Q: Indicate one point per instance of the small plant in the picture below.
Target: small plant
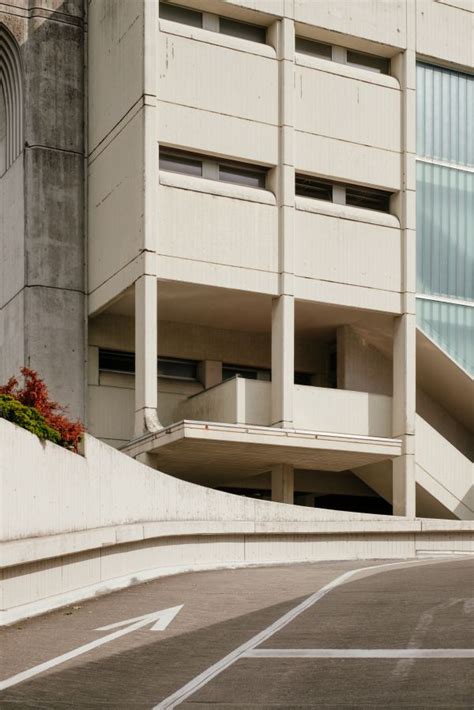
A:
(31, 408)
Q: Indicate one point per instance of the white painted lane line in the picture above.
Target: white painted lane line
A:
(159, 619)
(411, 653)
(203, 678)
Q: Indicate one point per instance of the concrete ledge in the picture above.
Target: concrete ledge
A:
(34, 587)
(24, 551)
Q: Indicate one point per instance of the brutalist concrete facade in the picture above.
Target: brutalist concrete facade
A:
(42, 201)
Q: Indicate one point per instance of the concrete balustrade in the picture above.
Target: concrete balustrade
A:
(242, 401)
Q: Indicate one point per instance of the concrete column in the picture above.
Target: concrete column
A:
(404, 414)
(404, 332)
(283, 37)
(283, 486)
(283, 359)
(146, 297)
(146, 355)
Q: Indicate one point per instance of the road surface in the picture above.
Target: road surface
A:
(302, 636)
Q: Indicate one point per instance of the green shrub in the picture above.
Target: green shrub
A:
(28, 418)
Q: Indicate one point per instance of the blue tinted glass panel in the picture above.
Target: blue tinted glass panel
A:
(445, 231)
(445, 108)
(452, 327)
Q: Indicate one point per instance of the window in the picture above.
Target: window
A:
(184, 15)
(116, 361)
(168, 367)
(178, 161)
(312, 187)
(213, 23)
(314, 49)
(445, 209)
(174, 369)
(368, 198)
(381, 65)
(342, 55)
(244, 30)
(303, 378)
(251, 177)
(357, 196)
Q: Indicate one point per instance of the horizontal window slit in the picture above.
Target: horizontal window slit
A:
(353, 195)
(177, 161)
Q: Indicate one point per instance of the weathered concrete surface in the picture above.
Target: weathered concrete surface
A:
(44, 235)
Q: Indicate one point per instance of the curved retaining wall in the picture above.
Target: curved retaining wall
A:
(75, 526)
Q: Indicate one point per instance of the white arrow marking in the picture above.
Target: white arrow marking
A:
(159, 619)
(162, 619)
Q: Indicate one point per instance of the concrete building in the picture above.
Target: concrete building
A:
(273, 200)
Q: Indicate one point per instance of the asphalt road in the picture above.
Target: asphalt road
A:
(392, 635)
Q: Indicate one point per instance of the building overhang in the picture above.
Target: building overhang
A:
(216, 452)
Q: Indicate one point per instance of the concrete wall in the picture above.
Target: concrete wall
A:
(42, 205)
(444, 472)
(117, 106)
(335, 410)
(74, 526)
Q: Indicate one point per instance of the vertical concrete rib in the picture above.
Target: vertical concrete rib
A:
(283, 306)
(146, 293)
(404, 334)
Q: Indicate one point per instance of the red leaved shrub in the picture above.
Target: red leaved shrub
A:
(34, 393)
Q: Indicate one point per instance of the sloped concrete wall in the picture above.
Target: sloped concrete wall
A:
(74, 526)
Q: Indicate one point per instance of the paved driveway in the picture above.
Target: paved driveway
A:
(302, 636)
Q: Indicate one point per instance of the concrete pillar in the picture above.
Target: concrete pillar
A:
(404, 334)
(146, 355)
(404, 414)
(282, 35)
(283, 358)
(146, 296)
(283, 486)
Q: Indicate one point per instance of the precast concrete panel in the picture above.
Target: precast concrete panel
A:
(445, 31)
(216, 229)
(216, 134)
(334, 410)
(116, 79)
(446, 466)
(382, 21)
(346, 161)
(217, 78)
(116, 203)
(338, 106)
(347, 252)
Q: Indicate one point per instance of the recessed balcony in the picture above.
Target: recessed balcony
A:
(226, 431)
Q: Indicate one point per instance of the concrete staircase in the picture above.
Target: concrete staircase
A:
(444, 477)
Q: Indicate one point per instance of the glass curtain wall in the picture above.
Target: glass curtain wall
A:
(445, 210)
